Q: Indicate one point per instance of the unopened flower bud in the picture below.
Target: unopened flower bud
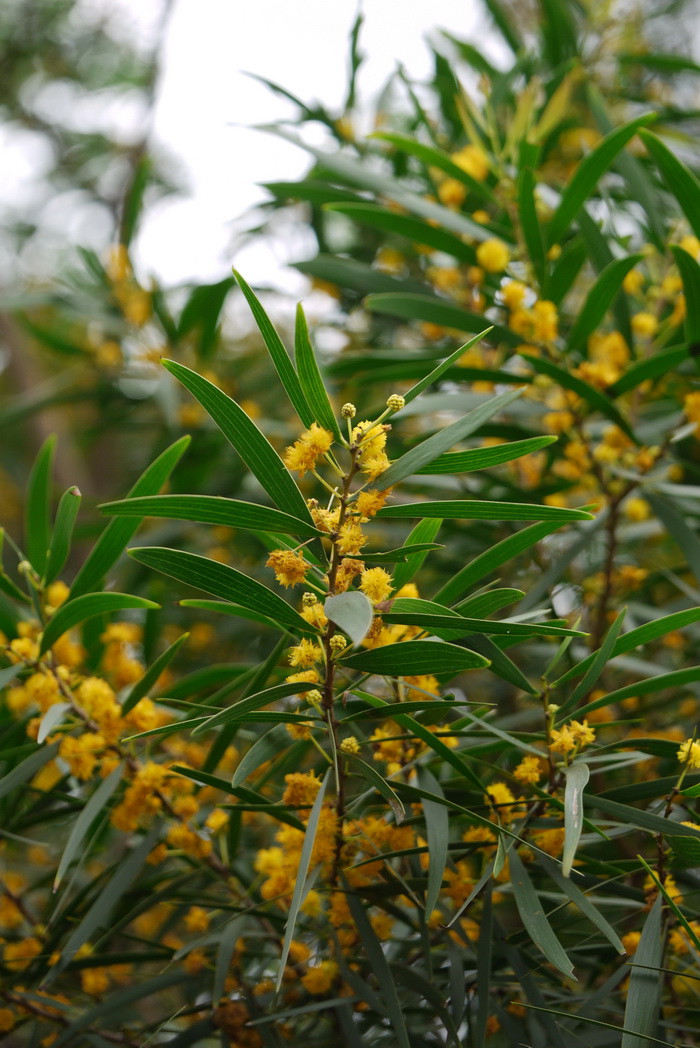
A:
(395, 402)
(348, 410)
(308, 600)
(314, 697)
(338, 644)
(350, 745)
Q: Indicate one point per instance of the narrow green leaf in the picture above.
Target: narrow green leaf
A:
(444, 439)
(79, 609)
(203, 311)
(27, 768)
(642, 820)
(501, 664)
(278, 352)
(484, 458)
(413, 229)
(566, 270)
(436, 310)
(485, 603)
(359, 277)
(62, 533)
(118, 533)
(491, 559)
(484, 968)
(252, 702)
(370, 773)
(142, 686)
(352, 612)
(212, 509)
(431, 616)
(402, 554)
(438, 834)
(678, 177)
(38, 522)
(443, 366)
(269, 745)
(221, 580)
(224, 953)
(596, 667)
(312, 384)
(301, 885)
(533, 917)
(599, 299)
(690, 275)
(679, 529)
(589, 171)
(242, 433)
(529, 219)
(660, 364)
(577, 775)
(432, 157)
(592, 396)
(644, 994)
(53, 717)
(583, 902)
(424, 532)
(636, 637)
(414, 657)
(221, 607)
(95, 805)
(475, 510)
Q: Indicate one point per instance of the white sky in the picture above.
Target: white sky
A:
(206, 107)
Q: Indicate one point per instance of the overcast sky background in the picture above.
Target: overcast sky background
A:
(207, 105)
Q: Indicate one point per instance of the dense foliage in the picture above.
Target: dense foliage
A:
(420, 767)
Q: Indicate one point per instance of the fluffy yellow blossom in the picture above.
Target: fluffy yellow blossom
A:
(7, 1020)
(473, 160)
(502, 799)
(633, 282)
(290, 568)
(19, 955)
(348, 570)
(550, 841)
(196, 920)
(562, 739)
(689, 753)
(320, 977)
(94, 981)
(351, 538)
(529, 770)
(370, 502)
(309, 676)
(452, 193)
(305, 653)
(636, 509)
(304, 452)
(376, 584)
(80, 753)
(513, 293)
(301, 789)
(493, 255)
(582, 733)
(216, 820)
(644, 325)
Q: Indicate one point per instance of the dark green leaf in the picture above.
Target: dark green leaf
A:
(252, 702)
(599, 299)
(203, 310)
(424, 532)
(436, 311)
(596, 667)
(690, 275)
(443, 366)
(221, 607)
(475, 510)
(438, 834)
(38, 522)
(413, 229)
(533, 917)
(370, 773)
(27, 769)
(413, 658)
(95, 806)
(432, 157)
(484, 458)
(310, 378)
(431, 616)
(678, 177)
(79, 609)
(142, 686)
(62, 533)
(402, 554)
(662, 363)
(529, 219)
(642, 820)
(268, 746)
(646, 983)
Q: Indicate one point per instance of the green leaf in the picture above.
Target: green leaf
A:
(62, 533)
(690, 275)
(443, 366)
(268, 746)
(501, 664)
(142, 686)
(212, 509)
(252, 702)
(27, 769)
(37, 520)
(413, 658)
(596, 667)
(431, 616)
(301, 885)
(310, 379)
(484, 967)
(641, 635)
(402, 554)
(678, 177)
(599, 299)
(203, 310)
(118, 533)
(432, 157)
(424, 532)
(221, 580)
(533, 917)
(242, 433)
(484, 458)
(430, 449)
(221, 607)
(686, 851)
(662, 363)
(679, 530)
(581, 900)
(356, 276)
(642, 820)
(370, 773)
(529, 219)
(577, 775)
(412, 229)
(352, 612)
(79, 609)
(594, 397)
(53, 716)
(438, 835)
(491, 559)
(224, 953)
(475, 510)
(646, 983)
(589, 171)
(566, 270)
(278, 352)
(95, 805)
(437, 311)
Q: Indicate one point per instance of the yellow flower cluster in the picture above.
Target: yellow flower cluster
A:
(304, 453)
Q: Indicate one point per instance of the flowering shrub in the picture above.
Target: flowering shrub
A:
(421, 766)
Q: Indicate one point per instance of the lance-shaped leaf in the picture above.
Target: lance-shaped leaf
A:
(301, 885)
(484, 458)
(212, 509)
(27, 768)
(583, 902)
(443, 366)
(646, 983)
(431, 616)
(437, 829)
(412, 306)
(413, 229)
(678, 177)
(432, 157)
(80, 609)
(242, 433)
(38, 523)
(268, 746)
(424, 532)
(415, 657)
(62, 533)
(144, 684)
(442, 441)
(674, 679)
(278, 352)
(475, 510)
(530, 222)
(690, 275)
(596, 667)
(370, 773)
(310, 377)
(402, 554)
(222, 581)
(642, 820)
(587, 174)
(117, 534)
(222, 607)
(533, 917)
(95, 805)
(352, 612)
(600, 298)
(53, 717)
(577, 775)
(253, 702)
